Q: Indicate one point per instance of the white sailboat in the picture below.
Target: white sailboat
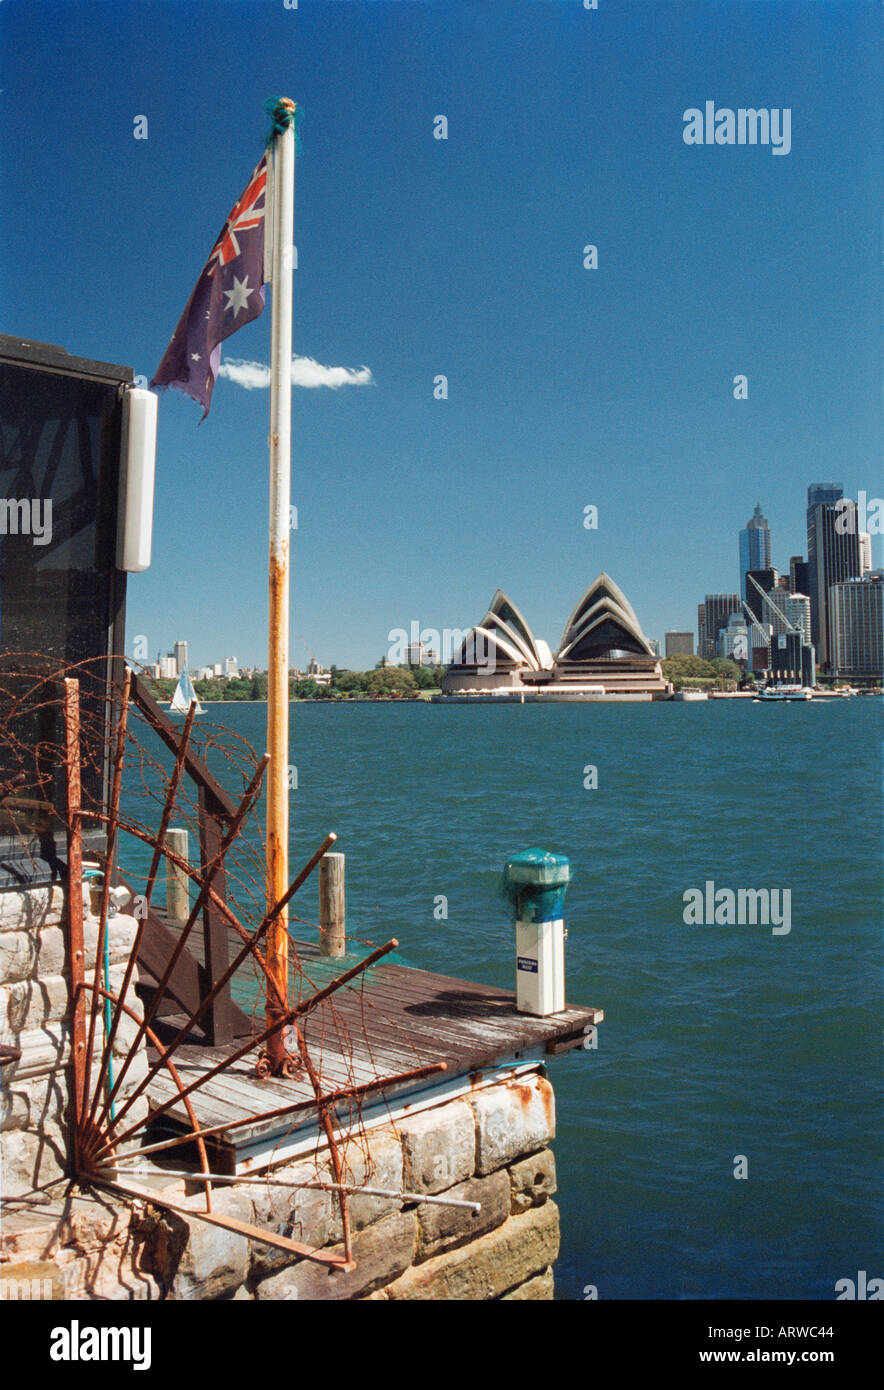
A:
(184, 696)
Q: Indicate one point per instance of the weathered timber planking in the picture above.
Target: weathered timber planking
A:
(394, 1020)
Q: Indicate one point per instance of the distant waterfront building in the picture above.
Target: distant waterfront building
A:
(754, 546)
(717, 608)
(679, 643)
(179, 652)
(231, 667)
(857, 626)
(654, 646)
(791, 659)
(603, 654)
(168, 667)
(416, 654)
(832, 556)
(317, 673)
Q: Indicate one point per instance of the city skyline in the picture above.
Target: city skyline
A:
(725, 601)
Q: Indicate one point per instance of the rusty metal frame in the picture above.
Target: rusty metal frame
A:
(97, 1132)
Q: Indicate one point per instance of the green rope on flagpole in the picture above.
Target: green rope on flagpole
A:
(283, 114)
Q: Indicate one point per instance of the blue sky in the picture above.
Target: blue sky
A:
(567, 387)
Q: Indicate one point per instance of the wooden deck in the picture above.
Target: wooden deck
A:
(392, 1020)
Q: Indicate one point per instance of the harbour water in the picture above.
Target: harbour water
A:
(725, 1047)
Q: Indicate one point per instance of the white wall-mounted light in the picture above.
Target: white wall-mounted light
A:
(137, 466)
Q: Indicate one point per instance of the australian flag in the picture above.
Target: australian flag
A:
(229, 293)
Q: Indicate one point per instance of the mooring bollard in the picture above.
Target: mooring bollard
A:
(177, 882)
(332, 905)
(536, 881)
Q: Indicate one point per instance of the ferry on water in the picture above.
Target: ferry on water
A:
(784, 692)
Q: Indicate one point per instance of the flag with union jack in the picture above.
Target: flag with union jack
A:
(229, 293)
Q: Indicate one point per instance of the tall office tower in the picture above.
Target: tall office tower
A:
(857, 624)
(754, 546)
(799, 580)
(718, 608)
(701, 630)
(765, 580)
(679, 643)
(179, 652)
(833, 554)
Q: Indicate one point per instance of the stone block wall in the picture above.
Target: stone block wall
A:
(35, 1016)
(491, 1147)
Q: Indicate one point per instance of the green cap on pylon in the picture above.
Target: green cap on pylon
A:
(535, 882)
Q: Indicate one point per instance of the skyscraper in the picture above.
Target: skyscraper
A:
(179, 652)
(857, 627)
(833, 554)
(717, 608)
(799, 581)
(754, 546)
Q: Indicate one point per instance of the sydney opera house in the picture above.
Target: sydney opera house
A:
(603, 655)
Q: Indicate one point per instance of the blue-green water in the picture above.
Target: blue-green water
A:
(719, 1040)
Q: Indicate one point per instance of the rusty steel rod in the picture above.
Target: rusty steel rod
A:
(230, 1223)
(351, 1188)
(74, 916)
(109, 853)
(173, 1072)
(282, 1022)
(211, 869)
(171, 794)
(346, 1093)
(248, 948)
(325, 1111)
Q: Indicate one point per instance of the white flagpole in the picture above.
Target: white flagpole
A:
(283, 209)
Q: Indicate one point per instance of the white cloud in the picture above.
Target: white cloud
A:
(254, 376)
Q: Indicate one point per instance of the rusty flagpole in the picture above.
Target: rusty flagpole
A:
(282, 184)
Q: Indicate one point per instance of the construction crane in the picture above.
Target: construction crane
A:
(310, 653)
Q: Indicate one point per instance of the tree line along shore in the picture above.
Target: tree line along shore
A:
(386, 682)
